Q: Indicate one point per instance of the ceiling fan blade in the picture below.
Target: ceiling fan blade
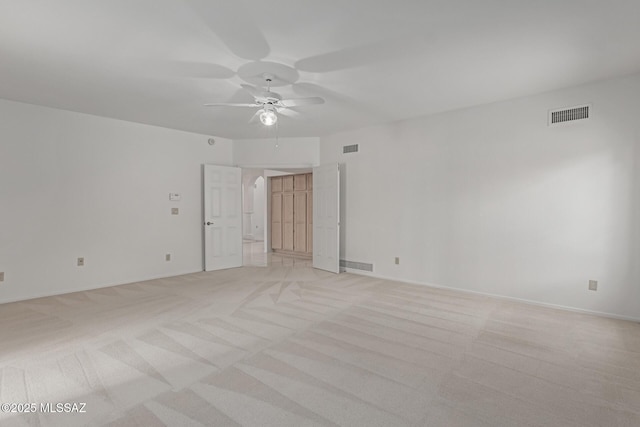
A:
(405, 43)
(222, 104)
(339, 100)
(255, 92)
(233, 24)
(297, 102)
(288, 113)
(182, 69)
(256, 117)
(275, 80)
(256, 74)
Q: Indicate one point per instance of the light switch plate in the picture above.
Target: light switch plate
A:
(1, 276)
(167, 257)
(80, 262)
(175, 211)
(593, 285)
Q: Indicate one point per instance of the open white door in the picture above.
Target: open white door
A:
(222, 217)
(326, 218)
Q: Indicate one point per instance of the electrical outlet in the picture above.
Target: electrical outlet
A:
(167, 257)
(397, 260)
(593, 285)
(1, 276)
(175, 211)
(81, 262)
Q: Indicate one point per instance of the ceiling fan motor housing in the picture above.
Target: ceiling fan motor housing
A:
(268, 98)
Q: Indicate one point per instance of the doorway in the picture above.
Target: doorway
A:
(257, 215)
(236, 203)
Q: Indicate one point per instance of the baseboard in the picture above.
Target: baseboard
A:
(101, 286)
(505, 297)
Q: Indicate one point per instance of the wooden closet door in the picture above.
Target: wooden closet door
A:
(276, 220)
(287, 183)
(287, 221)
(276, 184)
(300, 219)
(300, 182)
(292, 213)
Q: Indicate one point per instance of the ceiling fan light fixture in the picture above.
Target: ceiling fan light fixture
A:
(268, 117)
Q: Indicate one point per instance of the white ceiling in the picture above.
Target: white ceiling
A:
(158, 61)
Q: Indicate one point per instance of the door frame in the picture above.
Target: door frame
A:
(286, 170)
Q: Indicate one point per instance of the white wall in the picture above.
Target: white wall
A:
(290, 152)
(74, 185)
(248, 178)
(492, 200)
(258, 218)
(253, 204)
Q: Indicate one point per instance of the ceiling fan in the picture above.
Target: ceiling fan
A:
(270, 104)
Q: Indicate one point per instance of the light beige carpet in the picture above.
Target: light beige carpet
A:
(293, 346)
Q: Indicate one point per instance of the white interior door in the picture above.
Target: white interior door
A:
(222, 217)
(326, 218)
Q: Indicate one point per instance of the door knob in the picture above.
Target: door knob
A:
(209, 223)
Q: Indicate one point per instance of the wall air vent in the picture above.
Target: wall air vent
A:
(356, 265)
(563, 115)
(350, 149)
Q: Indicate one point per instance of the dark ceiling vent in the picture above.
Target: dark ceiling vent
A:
(569, 114)
(350, 148)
